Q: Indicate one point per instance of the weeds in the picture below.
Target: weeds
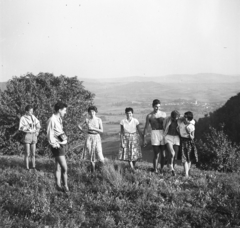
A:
(116, 197)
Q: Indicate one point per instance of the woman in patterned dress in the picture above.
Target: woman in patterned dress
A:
(130, 148)
(93, 145)
(188, 150)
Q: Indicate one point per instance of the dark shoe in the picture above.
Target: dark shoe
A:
(173, 173)
(59, 188)
(161, 173)
(65, 189)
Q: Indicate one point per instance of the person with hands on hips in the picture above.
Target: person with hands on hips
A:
(93, 145)
(30, 126)
(57, 140)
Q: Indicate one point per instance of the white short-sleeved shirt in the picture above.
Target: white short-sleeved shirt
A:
(130, 127)
(186, 129)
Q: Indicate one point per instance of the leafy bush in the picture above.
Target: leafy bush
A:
(41, 91)
(217, 152)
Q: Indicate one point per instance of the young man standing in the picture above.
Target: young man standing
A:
(155, 119)
(57, 140)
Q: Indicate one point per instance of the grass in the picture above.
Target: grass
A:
(116, 197)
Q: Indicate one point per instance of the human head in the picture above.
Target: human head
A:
(92, 110)
(129, 112)
(29, 109)
(175, 115)
(156, 105)
(188, 115)
(60, 108)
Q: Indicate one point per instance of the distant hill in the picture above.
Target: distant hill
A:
(227, 118)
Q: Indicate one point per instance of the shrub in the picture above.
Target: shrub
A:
(42, 92)
(217, 152)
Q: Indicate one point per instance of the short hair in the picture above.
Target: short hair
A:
(129, 109)
(28, 107)
(156, 102)
(94, 108)
(175, 114)
(188, 115)
(59, 105)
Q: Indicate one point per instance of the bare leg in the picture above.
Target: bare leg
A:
(131, 165)
(162, 156)
(61, 170)
(26, 155)
(33, 150)
(171, 152)
(156, 150)
(93, 166)
(176, 149)
(186, 169)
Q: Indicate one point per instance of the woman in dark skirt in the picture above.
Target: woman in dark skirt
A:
(188, 150)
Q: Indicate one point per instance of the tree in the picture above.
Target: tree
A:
(41, 91)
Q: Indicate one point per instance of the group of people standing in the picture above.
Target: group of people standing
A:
(169, 136)
(172, 138)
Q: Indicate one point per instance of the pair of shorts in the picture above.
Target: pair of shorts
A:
(58, 151)
(172, 139)
(157, 138)
(29, 138)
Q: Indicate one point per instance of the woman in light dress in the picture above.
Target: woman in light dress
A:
(93, 145)
(130, 143)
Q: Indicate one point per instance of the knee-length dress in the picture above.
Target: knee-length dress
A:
(93, 144)
(130, 146)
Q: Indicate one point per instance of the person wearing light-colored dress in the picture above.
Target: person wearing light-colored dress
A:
(93, 145)
(130, 143)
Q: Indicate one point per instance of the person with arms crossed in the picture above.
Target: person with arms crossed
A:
(57, 140)
(30, 126)
(155, 119)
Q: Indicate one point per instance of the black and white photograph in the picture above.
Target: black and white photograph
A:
(119, 113)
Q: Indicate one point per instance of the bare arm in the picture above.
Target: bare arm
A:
(146, 125)
(139, 130)
(121, 134)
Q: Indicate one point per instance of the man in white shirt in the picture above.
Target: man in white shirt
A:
(57, 140)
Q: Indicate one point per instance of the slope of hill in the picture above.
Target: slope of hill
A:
(115, 197)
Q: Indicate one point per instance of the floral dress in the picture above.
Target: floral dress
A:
(130, 145)
(93, 144)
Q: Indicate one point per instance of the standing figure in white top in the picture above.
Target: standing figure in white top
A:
(130, 143)
(188, 149)
(57, 140)
(93, 145)
(30, 127)
(155, 119)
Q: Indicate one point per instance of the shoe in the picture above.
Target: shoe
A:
(65, 189)
(59, 188)
(173, 173)
(161, 172)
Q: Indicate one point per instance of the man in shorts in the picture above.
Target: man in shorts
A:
(172, 138)
(57, 140)
(155, 119)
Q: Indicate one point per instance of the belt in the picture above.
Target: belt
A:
(91, 133)
(157, 129)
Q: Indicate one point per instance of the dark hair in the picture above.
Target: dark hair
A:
(94, 108)
(175, 114)
(156, 102)
(28, 107)
(188, 115)
(59, 105)
(129, 109)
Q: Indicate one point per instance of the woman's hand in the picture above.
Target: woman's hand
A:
(63, 142)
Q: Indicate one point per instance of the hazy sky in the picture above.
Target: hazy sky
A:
(119, 38)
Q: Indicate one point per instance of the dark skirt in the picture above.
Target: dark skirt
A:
(58, 151)
(188, 150)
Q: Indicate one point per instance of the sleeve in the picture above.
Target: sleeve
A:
(23, 124)
(38, 126)
(121, 122)
(50, 133)
(136, 122)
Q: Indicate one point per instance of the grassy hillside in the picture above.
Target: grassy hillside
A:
(115, 197)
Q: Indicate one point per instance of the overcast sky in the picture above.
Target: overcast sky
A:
(119, 38)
